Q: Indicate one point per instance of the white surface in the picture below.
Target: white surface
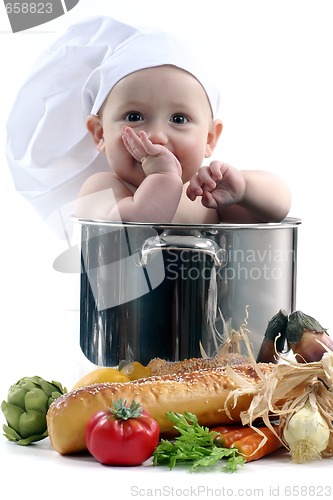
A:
(274, 61)
(45, 474)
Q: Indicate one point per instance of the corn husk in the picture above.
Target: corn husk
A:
(284, 391)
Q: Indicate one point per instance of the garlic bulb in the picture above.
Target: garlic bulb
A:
(306, 433)
(327, 362)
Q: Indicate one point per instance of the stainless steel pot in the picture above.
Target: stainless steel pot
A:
(163, 290)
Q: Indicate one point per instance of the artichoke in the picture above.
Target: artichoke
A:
(26, 408)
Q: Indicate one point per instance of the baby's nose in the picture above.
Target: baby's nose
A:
(157, 134)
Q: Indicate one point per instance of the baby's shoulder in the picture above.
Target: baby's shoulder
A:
(99, 194)
(105, 180)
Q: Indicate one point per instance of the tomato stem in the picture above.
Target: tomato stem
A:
(124, 412)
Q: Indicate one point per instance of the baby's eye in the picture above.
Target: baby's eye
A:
(134, 116)
(179, 119)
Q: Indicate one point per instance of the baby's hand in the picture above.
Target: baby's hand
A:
(218, 185)
(154, 158)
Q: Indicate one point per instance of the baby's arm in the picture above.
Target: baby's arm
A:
(241, 196)
(156, 198)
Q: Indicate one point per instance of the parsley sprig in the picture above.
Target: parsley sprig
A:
(195, 443)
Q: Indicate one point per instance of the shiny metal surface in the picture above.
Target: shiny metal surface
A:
(163, 290)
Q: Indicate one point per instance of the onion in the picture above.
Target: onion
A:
(274, 338)
(307, 338)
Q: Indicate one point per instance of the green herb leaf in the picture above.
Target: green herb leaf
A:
(194, 444)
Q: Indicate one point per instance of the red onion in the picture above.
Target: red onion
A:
(302, 334)
(274, 338)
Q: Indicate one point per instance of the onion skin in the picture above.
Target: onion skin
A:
(267, 352)
(302, 334)
(308, 350)
(274, 338)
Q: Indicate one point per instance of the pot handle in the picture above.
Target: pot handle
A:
(185, 242)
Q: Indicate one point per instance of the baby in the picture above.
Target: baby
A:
(155, 127)
(122, 120)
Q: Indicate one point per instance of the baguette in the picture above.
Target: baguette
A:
(202, 392)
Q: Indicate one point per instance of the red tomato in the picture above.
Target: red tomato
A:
(122, 435)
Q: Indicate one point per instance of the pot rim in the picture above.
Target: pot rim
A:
(288, 222)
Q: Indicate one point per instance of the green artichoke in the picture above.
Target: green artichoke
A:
(26, 408)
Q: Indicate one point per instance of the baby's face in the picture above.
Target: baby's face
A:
(167, 103)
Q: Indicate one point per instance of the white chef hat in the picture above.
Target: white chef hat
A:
(49, 150)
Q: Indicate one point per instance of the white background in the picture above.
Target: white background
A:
(274, 62)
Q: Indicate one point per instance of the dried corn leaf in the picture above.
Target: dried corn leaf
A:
(284, 391)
